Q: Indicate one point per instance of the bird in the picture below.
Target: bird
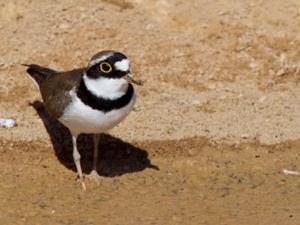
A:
(88, 100)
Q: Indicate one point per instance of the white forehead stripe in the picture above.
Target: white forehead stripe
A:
(122, 65)
(97, 60)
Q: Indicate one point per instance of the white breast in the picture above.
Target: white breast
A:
(81, 118)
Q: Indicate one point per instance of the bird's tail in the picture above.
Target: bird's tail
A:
(39, 74)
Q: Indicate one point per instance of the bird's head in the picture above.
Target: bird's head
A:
(112, 65)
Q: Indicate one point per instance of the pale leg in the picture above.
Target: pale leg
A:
(94, 175)
(76, 157)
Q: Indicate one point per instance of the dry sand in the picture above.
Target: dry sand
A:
(218, 114)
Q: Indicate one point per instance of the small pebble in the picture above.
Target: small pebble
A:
(7, 123)
(290, 172)
(136, 108)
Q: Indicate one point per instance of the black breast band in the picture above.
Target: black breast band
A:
(103, 104)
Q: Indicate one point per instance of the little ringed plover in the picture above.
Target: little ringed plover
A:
(88, 100)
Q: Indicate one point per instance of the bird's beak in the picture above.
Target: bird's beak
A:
(129, 78)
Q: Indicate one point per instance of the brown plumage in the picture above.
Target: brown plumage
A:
(63, 82)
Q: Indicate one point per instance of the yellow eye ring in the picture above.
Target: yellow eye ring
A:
(105, 67)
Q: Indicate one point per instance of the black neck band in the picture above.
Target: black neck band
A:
(103, 104)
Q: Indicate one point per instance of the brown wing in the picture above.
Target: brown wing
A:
(55, 91)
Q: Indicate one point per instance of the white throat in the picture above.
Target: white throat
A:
(106, 87)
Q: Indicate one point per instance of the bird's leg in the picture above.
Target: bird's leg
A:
(94, 175)
(76, 157)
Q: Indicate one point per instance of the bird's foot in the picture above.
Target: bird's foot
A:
(82, 184)
(95, 176)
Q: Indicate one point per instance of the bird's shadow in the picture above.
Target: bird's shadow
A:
(116, 157)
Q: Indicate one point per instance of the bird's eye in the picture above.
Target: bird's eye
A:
(105, 67)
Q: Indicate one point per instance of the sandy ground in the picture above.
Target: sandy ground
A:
(217, 120)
